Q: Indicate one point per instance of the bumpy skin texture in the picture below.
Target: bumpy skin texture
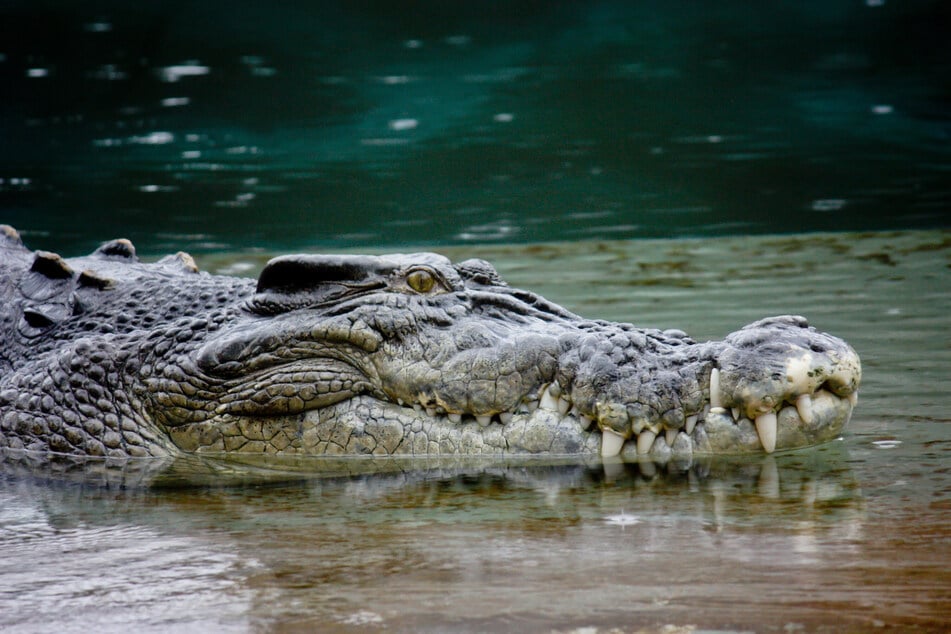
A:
(392, 355)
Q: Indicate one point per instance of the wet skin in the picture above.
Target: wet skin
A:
(389, 355)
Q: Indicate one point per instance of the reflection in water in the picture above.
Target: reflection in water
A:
(450, 543)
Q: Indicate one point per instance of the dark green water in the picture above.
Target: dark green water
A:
(530, 134)
(215, 126)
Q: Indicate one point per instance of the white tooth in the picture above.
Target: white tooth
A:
(611, 442)
(736, 413)
(484, 420)
(715, 388)
(400, 401)
(532, 406)
(430, 411)
(804, 407)
(548, 402)
(417, 407)
(853, 398)
(456, 418)
(563, 406)
(645, 440)
(670, 436)
(766, 429)
(690, 424)
(555, 389)
(585, 421)
(506, 417)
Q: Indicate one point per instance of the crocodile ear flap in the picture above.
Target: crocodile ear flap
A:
(304, 273)
(302, 281)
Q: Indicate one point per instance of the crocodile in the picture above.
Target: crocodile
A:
(390, 355)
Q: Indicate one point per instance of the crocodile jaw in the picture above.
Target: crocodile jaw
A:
(367, 426)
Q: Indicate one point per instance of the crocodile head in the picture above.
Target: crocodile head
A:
(412, 354)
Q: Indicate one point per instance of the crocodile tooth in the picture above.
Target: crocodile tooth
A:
(563, 406)
(505, 417)
(484, 420)
(555, 389)
(670, 435)
(736, 413)
(585, 421)
(430, 411)
(766, 429)
(417, 407)
(804, 407)
(715, 388)
(400, 402)
(690, 423)
(456, 418)
(611, 442)
(548, 401)
(645, 440)
(853, 398)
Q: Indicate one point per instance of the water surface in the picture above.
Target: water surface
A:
(215, 126)
(850, 536)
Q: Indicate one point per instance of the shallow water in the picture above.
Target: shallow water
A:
(850, 536)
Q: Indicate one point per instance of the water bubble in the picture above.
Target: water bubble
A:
(622, 519)
(886, 444)
(458, 40)
(154, 138)
(172, 74)
(394, 80)
(399, 125)
(828, 204)
(97, 27)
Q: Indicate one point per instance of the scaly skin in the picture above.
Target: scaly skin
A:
(391, 355)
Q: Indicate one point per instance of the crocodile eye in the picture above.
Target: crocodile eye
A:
(421, 281)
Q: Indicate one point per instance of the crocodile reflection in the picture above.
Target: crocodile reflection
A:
(330, 542)
(815, 484)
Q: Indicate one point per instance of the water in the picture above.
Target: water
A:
(216, 126)
(543, 136)
(850, 536)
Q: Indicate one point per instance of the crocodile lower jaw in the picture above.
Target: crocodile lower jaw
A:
(365, 425)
